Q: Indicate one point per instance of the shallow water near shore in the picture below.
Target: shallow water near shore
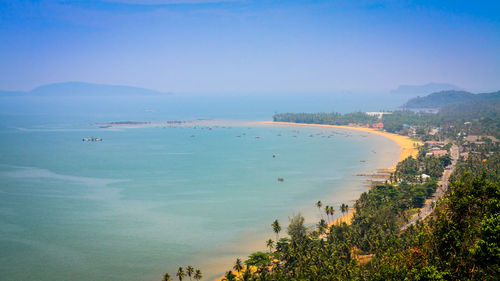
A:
(147, 200)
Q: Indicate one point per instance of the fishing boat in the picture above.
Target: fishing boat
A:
(91, 139)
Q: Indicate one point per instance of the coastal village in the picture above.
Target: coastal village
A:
(433, 157)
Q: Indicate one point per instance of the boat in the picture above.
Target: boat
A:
(91, 139)
(281, 179)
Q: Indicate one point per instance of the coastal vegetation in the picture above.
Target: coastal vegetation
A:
(181, 273)
(436, 216)
(479, 115)
(458, 241)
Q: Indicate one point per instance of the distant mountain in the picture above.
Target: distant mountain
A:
(446, 98)
(83, 89)
(484, 105)
(422, 90)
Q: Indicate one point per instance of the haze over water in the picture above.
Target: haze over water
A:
(147, 200)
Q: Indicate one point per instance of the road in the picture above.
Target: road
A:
(442, 187)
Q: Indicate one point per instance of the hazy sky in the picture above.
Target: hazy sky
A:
(250, 46)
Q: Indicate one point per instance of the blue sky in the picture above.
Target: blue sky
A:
(214, 46)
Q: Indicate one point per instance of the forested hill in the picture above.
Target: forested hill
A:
(443, 98)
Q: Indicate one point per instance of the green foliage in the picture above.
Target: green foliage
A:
(460, 241)
(180, 273)
(198, 275)
(333, 118)
(407, 170)
(445, 160)
(439, 99)
(411, 169)
(229, 276)
(466, 228)
(258, 259)
(189, 271)
(433, 166)
(276, 228)
(476, 166)
(166, 277)
(296, 228)
(238, 266)
(479, 113)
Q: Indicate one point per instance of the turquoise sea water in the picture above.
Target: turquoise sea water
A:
(147, 200)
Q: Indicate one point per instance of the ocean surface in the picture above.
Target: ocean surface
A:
(148, 200)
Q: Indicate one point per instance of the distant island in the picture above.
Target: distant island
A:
(84, 89)
(443, 98)
(422, 90)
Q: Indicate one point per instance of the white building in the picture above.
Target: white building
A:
(377, 113)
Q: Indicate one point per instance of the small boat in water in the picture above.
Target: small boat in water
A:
(91, 139)
(281, 179)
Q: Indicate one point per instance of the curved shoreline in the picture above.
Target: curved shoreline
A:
(407, 145)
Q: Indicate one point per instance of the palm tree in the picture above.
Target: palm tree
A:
(166, 277)
(247, 274)
(322, 226)
(180, 273)
(270, 244)
(230, 276)
(189, 271)
(332, 211)
(238, 266)
(197, 274)
(343, 209)
(327, 211)
(276, 228)
(346, 208)
(319, 204)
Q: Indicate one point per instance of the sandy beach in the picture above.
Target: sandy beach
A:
(407, 145)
